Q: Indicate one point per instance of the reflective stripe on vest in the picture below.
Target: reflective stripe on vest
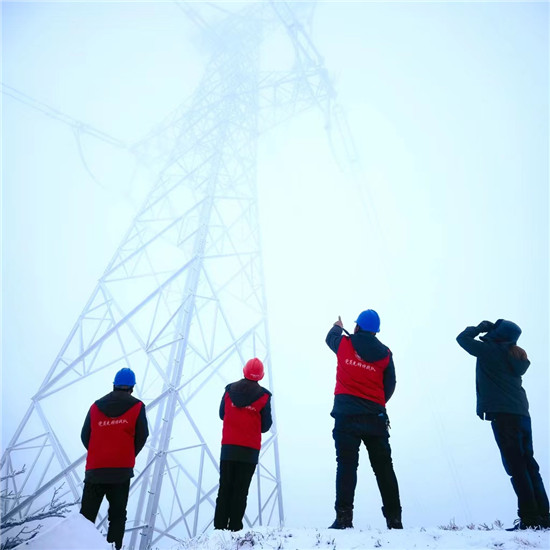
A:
(112, 439)
(243, 425)
(355, 376)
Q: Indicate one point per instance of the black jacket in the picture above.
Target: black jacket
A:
(498, 373)
(244, 393)
(367, 345)
(115, 404)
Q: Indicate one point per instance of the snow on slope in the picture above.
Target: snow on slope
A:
(72, 532)
(76, 533)
(351, 539)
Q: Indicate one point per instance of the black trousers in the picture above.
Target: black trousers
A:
(117, 496)
(347, 442)
(235, 478)
(515, 441)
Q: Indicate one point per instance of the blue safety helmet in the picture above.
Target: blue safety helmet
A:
(125, 377)
(369, 320)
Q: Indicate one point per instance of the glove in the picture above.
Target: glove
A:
(485, 326)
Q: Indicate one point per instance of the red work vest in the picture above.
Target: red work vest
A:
(243, 425)
(112, 439)
(355, 376)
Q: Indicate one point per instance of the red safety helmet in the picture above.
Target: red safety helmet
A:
(254, 369)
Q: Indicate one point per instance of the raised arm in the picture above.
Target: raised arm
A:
(335, 335)
(466, 339)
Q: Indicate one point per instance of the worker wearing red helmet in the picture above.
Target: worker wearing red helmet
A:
(246, 413)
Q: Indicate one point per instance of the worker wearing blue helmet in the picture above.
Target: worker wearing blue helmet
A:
(114, 432)
(365, 381)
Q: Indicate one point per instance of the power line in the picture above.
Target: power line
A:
(78, 125)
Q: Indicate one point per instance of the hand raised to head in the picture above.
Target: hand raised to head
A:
(485, 326)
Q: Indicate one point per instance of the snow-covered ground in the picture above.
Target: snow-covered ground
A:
(419, 538)
(76, 533)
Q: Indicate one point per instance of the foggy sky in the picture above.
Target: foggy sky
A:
(448, 106)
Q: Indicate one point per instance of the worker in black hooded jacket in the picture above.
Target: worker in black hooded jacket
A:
(502, 400)
(365, 381)
(245, 409)
(114, 432)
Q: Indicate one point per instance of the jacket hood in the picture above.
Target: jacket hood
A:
(503, 331)
(116, 403)
(245, 392)
(367, 345)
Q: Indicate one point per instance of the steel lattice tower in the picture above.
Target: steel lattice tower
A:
(182, 301)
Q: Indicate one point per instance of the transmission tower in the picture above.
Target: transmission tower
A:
(182, 300)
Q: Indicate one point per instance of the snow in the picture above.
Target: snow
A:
(73, 532)
(350, 539)
(76, 533)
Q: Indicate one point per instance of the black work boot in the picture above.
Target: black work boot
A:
(526, 521)
(344, 519)
(519, 525)
(544, 521)
(393, 519)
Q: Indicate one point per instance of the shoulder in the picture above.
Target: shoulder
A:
(127, 400)
(382, 348)
(386, 349)
(379, 343)
(125, 397)
(345, 339)
(105, 398)
(133, 403)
